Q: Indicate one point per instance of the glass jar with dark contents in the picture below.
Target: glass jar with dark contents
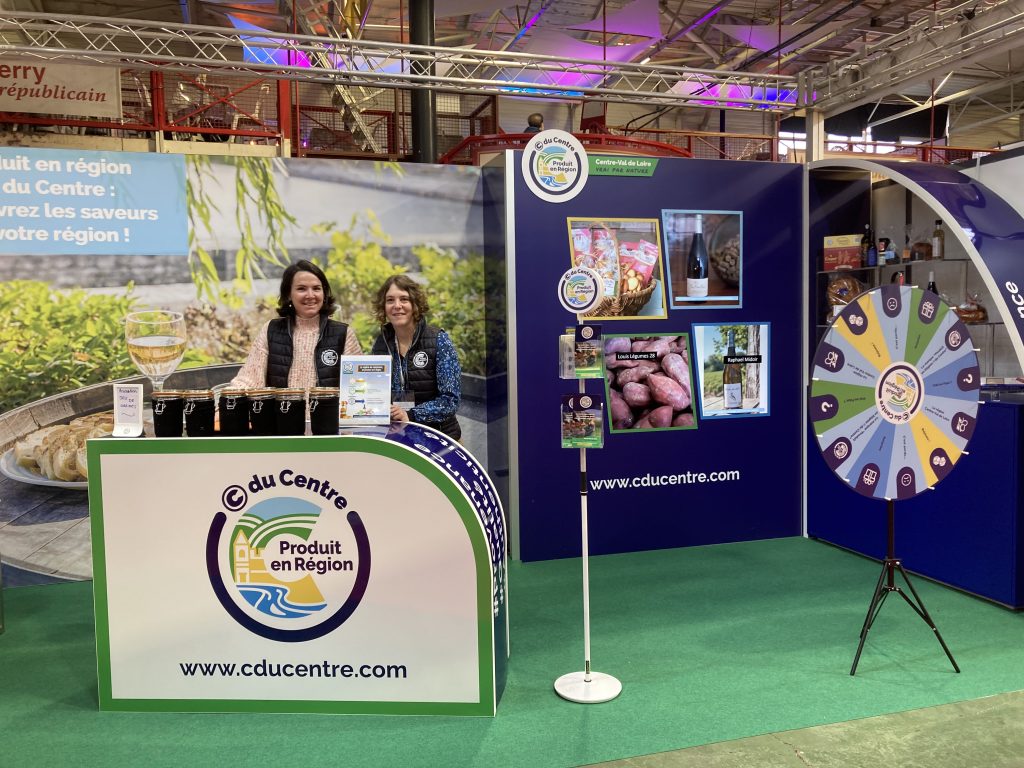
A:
(168, 410)
(323, 410)
(262, 411)
(233, 412)
(291, 412)
(199, 412)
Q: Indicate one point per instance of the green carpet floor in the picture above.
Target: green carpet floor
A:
(711, 643)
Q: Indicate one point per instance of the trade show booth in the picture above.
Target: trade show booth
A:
(370, 572)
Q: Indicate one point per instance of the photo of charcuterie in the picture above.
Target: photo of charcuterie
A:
(626, 254)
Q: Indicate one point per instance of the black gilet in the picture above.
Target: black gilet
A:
(420, 379)
(329, 345)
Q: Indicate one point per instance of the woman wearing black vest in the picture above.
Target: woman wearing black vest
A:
(426, 379)
(300, 348)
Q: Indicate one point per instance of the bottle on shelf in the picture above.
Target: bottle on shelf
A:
(938, 241)
(886, 251)
(897, 277)
(931, 283)
(868, 249)
(697, 263)
(732, 377)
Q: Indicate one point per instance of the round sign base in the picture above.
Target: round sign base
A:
(600, 688)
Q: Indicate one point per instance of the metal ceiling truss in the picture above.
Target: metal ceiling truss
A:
(966, 96)
(928, 48)
(184, 47)
(1002, 114)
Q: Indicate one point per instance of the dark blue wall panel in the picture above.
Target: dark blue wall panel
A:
(765, 502)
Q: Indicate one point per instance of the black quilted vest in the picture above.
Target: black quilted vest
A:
(421, 380)
(330, 344)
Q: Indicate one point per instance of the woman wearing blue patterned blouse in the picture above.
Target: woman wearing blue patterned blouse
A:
(426, 380)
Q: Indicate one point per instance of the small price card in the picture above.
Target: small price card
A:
(127, 410)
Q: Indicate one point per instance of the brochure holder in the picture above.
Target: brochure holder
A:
(588, 686)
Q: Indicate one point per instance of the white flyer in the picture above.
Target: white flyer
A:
(365, 396)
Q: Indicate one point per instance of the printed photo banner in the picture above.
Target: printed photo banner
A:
(56, 202)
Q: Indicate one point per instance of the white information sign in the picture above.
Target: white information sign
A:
(365, 396)
(127, 410)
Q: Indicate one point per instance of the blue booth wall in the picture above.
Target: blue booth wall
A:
(765, 501)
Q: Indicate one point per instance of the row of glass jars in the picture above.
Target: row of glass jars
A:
(241, 412)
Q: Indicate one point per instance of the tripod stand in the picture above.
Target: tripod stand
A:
(886, 585)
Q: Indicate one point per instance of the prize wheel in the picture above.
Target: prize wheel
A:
(894, 392)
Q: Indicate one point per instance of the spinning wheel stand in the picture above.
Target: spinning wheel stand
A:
(886, 585)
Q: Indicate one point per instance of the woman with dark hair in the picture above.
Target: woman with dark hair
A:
(301, 347)
(426, 380)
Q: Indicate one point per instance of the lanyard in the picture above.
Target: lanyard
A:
(403, 365)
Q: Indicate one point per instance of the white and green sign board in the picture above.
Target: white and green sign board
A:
(334, 574)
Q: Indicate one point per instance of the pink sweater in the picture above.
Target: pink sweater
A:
(303, 372)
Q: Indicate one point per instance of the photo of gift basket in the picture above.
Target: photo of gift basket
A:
(626, 255)
(626, 304)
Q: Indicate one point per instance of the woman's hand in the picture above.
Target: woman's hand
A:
(398, 413)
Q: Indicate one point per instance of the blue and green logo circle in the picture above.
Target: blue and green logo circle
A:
(287, 567)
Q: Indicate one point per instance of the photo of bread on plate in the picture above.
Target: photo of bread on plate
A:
(58, 452)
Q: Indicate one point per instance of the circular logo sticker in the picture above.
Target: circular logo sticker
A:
(900, 393)
(579, 289)
(329, 357)
(291, 567)
(586, 401)
(555, 166)
(420, 360)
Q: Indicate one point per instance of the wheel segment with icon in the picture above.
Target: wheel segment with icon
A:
(894, 392)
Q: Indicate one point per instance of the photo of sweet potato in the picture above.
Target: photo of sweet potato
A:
(649, 382)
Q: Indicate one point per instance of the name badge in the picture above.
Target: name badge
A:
(405, 400)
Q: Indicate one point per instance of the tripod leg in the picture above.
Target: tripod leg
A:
(878, 607)
(876, 604)
(923, 613)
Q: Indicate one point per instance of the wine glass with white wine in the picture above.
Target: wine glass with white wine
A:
(156, 343)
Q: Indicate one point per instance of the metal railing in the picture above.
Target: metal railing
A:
(710, 145)
(926, 153)
(469, 150)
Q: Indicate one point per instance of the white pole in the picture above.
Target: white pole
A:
(586, 687)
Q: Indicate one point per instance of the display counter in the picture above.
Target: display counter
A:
(358, 574)
(967, 532)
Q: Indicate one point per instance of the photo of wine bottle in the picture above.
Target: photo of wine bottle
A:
(732, 377)
(697, 263)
